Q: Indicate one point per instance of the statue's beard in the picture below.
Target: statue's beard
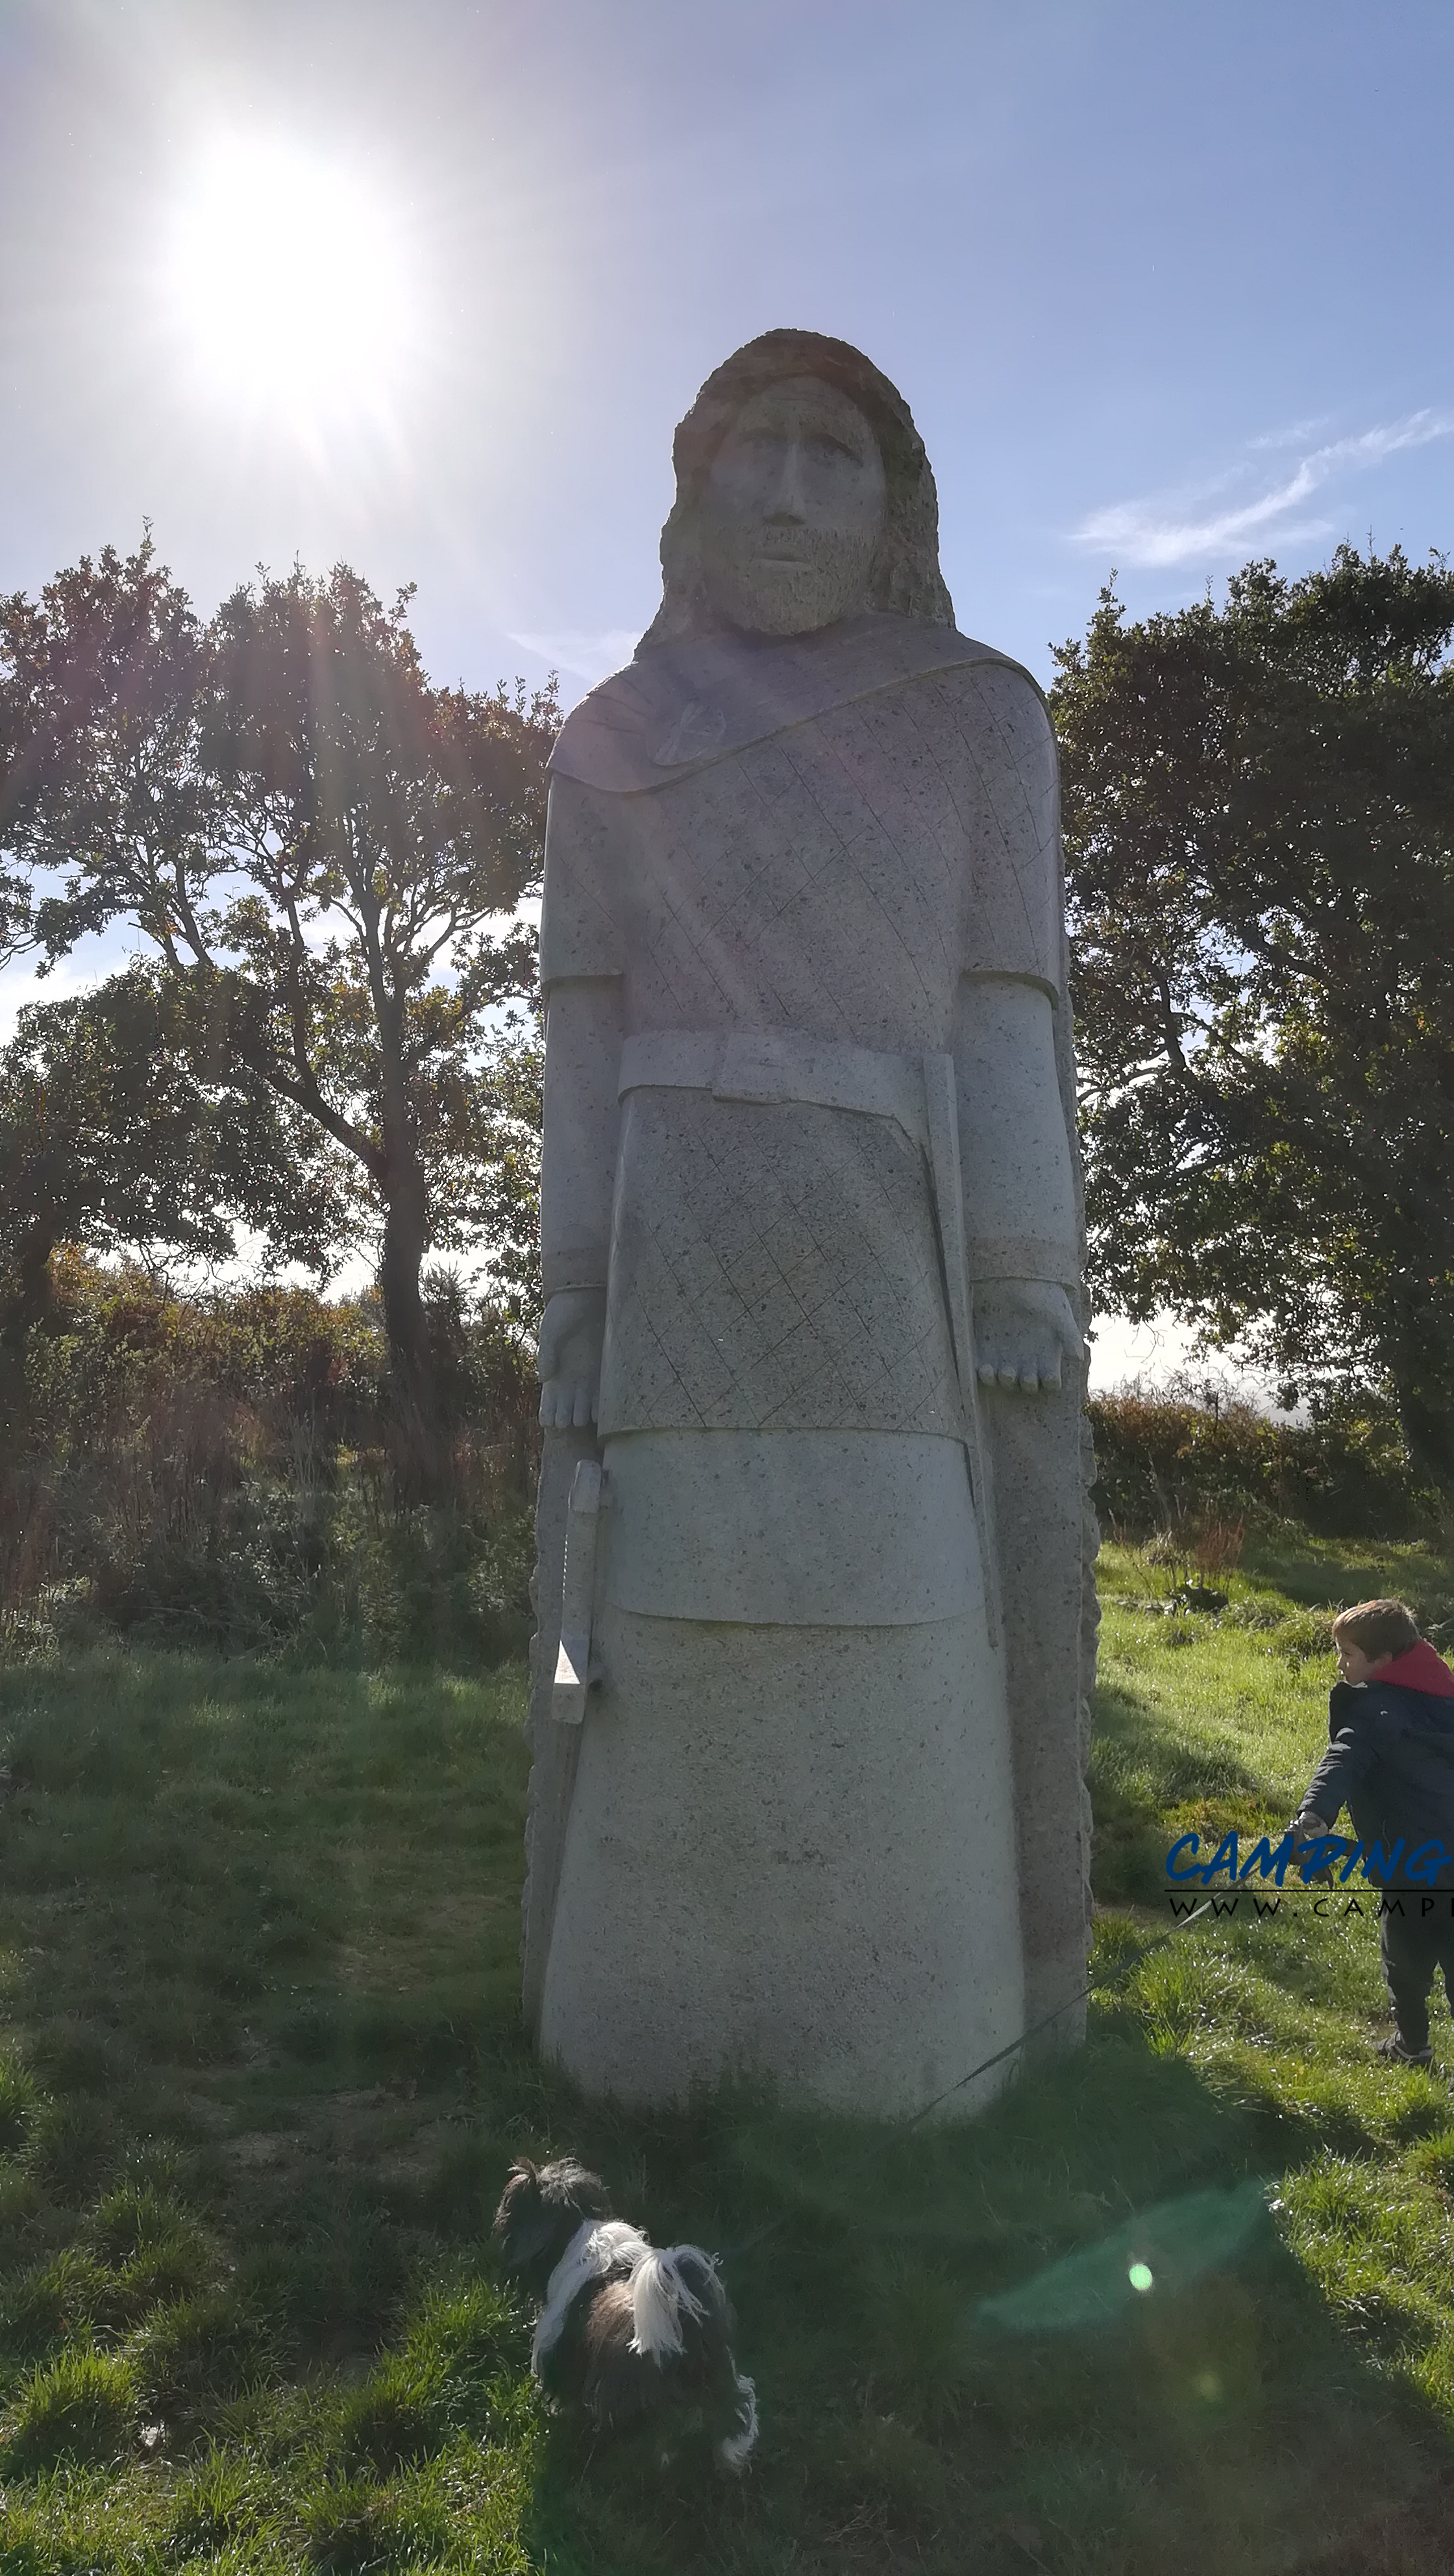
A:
(788, 582)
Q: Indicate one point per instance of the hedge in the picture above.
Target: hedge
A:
(1162, 1461)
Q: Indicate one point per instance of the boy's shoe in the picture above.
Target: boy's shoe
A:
(1394, 2048)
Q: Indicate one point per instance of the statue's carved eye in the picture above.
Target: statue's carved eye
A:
(767, 447)
(763, 446)
(826, 451)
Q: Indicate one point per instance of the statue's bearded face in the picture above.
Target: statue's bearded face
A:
(792, 510)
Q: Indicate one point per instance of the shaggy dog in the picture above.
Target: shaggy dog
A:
(625, 2331)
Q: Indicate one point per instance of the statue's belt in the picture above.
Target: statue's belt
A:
(780, 1065)
(917, 1092)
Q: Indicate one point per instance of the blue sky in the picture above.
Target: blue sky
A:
(1166, 283)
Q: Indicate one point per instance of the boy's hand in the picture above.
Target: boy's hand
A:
(1306, 1829)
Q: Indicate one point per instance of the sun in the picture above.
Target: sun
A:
(286, 278)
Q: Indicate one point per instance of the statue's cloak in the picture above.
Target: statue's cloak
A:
(622, 899)
(683, 706)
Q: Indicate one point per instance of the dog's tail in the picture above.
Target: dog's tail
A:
(735, 2449)
(669, 2290)
(681, 2312)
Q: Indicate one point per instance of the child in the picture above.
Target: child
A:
(1391, 1759)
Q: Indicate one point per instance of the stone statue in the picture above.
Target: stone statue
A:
(808, 1706)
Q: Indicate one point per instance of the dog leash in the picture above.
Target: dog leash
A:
(1096, 1985)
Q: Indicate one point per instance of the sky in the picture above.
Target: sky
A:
(1166, 284)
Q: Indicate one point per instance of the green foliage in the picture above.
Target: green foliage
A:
(1161, 1462)
(108, 1136)
(1259, 816)
(319, 848)
(223, 1470)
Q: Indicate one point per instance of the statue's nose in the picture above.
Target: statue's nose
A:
(785, 494)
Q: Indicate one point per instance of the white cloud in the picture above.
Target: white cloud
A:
(1167, 1356)
(1182, 528)
(20, 984)
(587, 657)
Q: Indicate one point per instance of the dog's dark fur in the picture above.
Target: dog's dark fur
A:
(593, 2364)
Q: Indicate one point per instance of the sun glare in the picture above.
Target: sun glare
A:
(287, 283)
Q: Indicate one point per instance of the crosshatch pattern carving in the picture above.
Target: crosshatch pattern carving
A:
(778, 1267)
(779, 1272)
(904, 832)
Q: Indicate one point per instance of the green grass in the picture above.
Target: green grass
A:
(261, 2075)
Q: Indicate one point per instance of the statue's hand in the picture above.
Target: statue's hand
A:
(568, 1363)
(1024, 1332)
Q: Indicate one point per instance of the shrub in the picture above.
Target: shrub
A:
(219, 1472)
(1167, 1465)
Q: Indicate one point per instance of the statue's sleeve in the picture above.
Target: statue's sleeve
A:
(580, 945)
(1017, 1105)
(580, 928)
(1013, 911)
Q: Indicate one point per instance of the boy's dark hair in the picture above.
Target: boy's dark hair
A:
(1378, 1629)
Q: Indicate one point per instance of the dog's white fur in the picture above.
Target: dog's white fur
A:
(595, 2246)
(659, 2299)
(734, 2449)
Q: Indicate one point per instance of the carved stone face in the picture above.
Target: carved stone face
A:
(792, 511)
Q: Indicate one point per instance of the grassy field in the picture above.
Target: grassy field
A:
(261, 2076)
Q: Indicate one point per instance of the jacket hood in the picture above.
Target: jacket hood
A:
(1418, 1668)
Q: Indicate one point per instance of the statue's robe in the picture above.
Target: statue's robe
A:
(791, 1843)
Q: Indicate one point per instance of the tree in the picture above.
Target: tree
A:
(109, 1138)
(327, 852)
(497, 1201)
(1259, 819)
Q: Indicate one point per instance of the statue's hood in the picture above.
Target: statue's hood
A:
(683, 706)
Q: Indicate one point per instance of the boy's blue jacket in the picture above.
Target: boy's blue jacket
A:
(1390, 1761)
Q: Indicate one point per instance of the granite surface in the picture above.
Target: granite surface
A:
(807, 1802)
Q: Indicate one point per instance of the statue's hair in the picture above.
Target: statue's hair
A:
(904, 575)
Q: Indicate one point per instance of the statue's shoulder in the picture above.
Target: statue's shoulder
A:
(683, 706)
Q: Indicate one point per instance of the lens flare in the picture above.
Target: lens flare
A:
(286, 278)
